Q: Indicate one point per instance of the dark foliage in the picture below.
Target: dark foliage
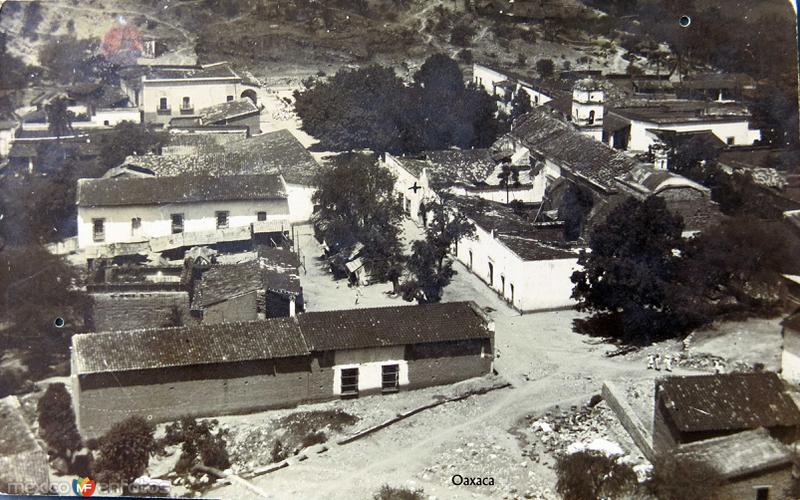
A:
(59, 117)
(31, 20)
(64, 58)
(125, 451)
(201, 443)
(430, 264)
(371, 108)
(545, 68)
(631, 269)
(357, 204)
(392, 493)
(587, 475)
(313, 438)
(129, 139)
(678, 478)
(57, 420)
(574, 208)
(36, 289)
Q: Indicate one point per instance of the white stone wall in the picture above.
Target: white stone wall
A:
(404, 181)
(300, 205)
(537, 285)
(156, 219)
(790, 366)
(115, 115)
(369, 363)
(201, 93)
(641, 140)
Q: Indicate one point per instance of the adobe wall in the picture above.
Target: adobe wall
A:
(437, 364)
(167, 394)
(134, 310)
(778, 482)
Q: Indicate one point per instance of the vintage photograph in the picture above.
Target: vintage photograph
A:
(400, 249)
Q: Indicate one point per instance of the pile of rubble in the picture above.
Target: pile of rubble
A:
(557, 430)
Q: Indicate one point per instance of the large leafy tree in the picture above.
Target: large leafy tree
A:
(59, 117)
(371, 108)
(430, 264)
(356, 204)
(125, 451)
(57, 420)
(63, 58)
(355, 109)
(37, 289)
(127, 139)
(630, 268)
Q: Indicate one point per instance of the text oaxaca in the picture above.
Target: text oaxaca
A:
(460, 480)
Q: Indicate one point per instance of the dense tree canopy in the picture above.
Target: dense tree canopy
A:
(631, 265)
(127, 139)
(57, 420)
(356, 204)
(125, 451)
(430, 264)
(371, 108)
(59, 117)
(63, 58)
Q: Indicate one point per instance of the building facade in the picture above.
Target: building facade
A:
(230, 368)
(126, 210)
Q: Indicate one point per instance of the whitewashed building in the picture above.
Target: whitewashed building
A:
(128, 210)
(634, 126)
(162, 93)
(506, 83)
(528, 265)
(790, 354)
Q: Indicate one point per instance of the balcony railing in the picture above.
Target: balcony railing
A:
(187, 110)
(164, 111)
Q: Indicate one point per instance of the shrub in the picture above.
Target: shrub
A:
(125, 451)
(313, 438)
(57, 420)
(392, 493)
(462, 34)
(278, 453)
(587, 475)
(200, 442)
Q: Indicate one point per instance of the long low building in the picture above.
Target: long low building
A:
(219, 369)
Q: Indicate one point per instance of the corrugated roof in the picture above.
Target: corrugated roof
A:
(187, 346)
(270, 153)
(391, 326)
(727, 402)
(740, 454)
(183, 189)
(562, 143)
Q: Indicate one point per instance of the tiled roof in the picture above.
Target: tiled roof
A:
(527, 240)
(740, 454)
(227, 281)
(562, 143)
(136, 310)
(16, 437)
(270, 153)
(681, 111)
(191, 72)
(153, 191)
(188, 346)
(392, 326)
(450, 166)
(727, 402)
(227, 110)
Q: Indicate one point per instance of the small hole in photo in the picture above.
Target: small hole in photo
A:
(685, 21)
(59, 322)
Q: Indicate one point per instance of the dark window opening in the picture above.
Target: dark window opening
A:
(99, 229)
(390, 378)
(261, 216)
(350, 382)
(186, 103)
(177, 223)
(591, 117)
(222, 219)
(230, 98)
(162, 103)
(491, 274)
(136, 226)
(762, 493)
(730, 141)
